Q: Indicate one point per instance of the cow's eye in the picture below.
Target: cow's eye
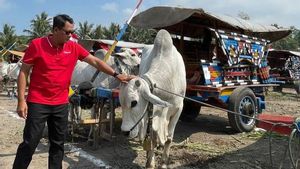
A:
(133, 103)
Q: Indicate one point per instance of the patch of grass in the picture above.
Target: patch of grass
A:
(256, 135)
(135, 146)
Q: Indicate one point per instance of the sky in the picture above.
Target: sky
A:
(18, 13)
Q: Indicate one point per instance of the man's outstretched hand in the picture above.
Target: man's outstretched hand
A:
(125, 78)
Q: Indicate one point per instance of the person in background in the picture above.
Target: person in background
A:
(52, 60)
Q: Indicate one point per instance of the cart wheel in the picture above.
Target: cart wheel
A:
(190, 111)
(243, 101)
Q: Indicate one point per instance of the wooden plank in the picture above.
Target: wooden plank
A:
(89, 121)
(219, 89)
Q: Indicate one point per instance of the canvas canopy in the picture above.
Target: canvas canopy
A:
(12, 52)
(186, 22)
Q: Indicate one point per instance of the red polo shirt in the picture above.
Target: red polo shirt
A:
(52, 70)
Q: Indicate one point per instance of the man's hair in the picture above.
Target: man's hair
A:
(60, 20)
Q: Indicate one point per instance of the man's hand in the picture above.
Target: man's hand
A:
(22, 109)
(125, 78)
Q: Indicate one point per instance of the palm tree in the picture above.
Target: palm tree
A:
(40, 26)
(97, 33)
(23, 39)
(112, 31)
(140, 35)
(85, 30)
(8, 36)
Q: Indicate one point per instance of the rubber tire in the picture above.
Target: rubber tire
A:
(190, 111)
(235, 99)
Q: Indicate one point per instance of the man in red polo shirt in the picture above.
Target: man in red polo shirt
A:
(52, 60)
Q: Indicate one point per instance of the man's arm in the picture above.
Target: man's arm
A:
(22, 81)
(103, 67)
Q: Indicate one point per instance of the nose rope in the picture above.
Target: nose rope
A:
(139, 120)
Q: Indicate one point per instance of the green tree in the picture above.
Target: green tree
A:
(288, 43)
(297, 38)
(40, 26)
(8, 36)
(138, 35)
(97, 33)
(85, 30)
(111, 32)
(23, 39)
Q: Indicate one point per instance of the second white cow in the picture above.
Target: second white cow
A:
(161, 66)
(126, 61)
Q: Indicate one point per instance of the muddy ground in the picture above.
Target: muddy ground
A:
(206, 143)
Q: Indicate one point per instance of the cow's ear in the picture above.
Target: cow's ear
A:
(147, 95)
(159, 102)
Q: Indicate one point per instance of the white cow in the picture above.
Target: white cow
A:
(13, 70)
(128, 63)
(10, 70)
(8, 77)
(163, 66)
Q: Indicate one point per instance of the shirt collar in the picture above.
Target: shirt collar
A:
(50, 44)
(48, 40)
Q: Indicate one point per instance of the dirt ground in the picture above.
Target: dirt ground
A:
(206, 143)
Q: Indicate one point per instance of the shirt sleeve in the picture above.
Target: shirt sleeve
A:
(30, 54)
(82, 53)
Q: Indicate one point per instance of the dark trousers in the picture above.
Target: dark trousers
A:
(57, 120)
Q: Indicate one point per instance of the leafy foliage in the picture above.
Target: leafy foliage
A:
(112, 31)
(291, 42)
(140, 35)
(97, 33)
(85, 30)
(40, 26)
(7, 36)
(132, 34)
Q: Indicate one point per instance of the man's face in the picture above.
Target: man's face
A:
(64, 34)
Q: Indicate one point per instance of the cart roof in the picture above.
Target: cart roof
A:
(175, 20)
(13, 52)
(16, 53)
